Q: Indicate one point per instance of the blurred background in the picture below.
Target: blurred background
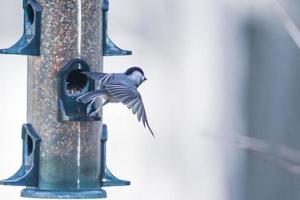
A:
(222, 97)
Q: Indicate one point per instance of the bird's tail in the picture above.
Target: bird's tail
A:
(87, 97)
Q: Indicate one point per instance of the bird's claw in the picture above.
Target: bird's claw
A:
(88, 110)
(93, 114)
(89, 107)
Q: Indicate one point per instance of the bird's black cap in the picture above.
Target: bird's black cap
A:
(133, 69)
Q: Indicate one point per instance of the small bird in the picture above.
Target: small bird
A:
(118, 87)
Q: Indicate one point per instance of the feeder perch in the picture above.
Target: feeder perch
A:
(71, 82)
(108, 179)
(109, 48)
(29, 44)
(29, 171)
(64, 149)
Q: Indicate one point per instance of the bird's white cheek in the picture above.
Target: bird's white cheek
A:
(110, 98)
(105, 97)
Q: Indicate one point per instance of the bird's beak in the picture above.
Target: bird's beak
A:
(145, 79)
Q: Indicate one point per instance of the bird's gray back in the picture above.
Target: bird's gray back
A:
(118, 78)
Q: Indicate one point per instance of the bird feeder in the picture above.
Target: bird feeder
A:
(64, 149)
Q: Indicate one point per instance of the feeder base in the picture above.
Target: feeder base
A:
(49, 194)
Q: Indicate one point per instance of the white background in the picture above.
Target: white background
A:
(192, 54)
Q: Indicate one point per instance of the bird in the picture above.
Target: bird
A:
(118, 88)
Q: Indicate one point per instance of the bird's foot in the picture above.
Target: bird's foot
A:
(90, 107)
(88, 110)
(93, 114)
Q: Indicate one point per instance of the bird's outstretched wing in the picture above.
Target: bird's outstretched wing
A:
(131, 97)
(89, 96)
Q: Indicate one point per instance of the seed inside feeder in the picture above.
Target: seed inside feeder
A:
(30, 13)
(77, 83)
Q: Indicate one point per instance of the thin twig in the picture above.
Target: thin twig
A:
(285, 157)
(290, 167)
(287, 21)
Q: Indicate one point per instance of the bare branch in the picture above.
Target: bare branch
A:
(289, 24)
(285, 157)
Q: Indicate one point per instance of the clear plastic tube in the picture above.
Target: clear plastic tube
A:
(70, 151)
